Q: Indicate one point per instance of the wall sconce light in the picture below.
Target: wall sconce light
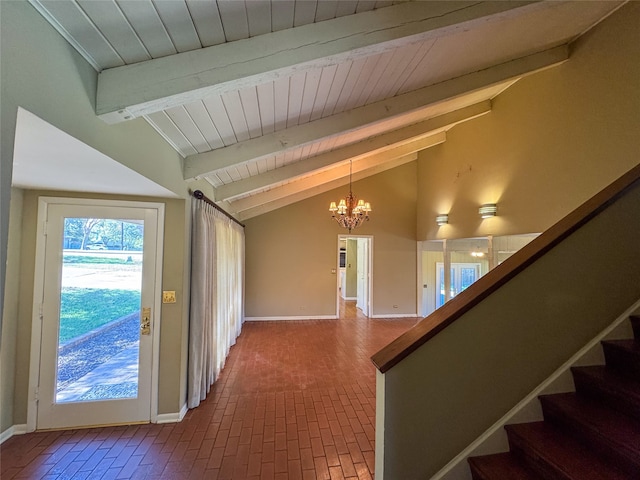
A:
(488, 210)
(442, 219)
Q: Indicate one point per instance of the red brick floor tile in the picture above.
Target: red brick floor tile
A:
(283, 408)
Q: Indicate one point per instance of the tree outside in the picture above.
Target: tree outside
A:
(107, 234)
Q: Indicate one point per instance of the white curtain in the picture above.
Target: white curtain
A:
(217, 291)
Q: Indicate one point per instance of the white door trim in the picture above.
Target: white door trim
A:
(38, 295)
(370, 275)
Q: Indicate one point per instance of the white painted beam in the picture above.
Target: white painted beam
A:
(131, 91)
(324, 162)
(424, 98)
(339, 172)
(297, 195)
(414, 138)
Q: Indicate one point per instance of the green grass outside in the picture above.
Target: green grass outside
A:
(75, 259)
(84, 309)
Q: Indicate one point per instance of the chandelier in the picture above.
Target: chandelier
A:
(348, 213)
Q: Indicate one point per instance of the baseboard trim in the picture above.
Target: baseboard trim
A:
(397, 315)
(11, 431)
(172, 417)
(287, 318)
(494, 439)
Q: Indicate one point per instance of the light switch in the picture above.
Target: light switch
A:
(169, 296)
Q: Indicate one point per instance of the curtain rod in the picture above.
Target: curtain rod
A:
(201, 196)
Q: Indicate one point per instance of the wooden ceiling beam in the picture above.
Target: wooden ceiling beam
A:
(329, 160)
(298, 194)
(427, 99)
(142, 88)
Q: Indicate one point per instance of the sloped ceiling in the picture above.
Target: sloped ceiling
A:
(270, 100)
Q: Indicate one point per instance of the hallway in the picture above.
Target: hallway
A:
(296, 400)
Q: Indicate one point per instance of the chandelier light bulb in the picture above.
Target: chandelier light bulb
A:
(350, 213)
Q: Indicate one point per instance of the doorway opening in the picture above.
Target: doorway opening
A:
(94, 347)
(466, 259)
(354, 285)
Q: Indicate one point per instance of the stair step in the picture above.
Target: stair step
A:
(635, 323)
(623, 355)
(500, 466)
(555, 455)
(617, 391)
(612, 434)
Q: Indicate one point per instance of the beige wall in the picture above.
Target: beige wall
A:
(551, 141)
(290, 252)
(171, 372)
(9, 330)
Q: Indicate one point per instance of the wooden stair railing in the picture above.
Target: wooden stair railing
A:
(430, 326)
(592, 433)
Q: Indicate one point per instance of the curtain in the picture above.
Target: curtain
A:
(217, 291)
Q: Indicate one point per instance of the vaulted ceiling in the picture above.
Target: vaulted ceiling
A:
(269, 101)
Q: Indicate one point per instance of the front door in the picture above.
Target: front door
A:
(97, 318)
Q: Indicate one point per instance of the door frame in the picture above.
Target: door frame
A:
(370, 276)
(38, 295)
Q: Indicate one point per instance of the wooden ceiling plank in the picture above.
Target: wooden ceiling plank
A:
(346, 7)
(296, 91)
(301, 191)
(340, 170)
(305, 13)
(144, 19)
(221, 122)
(349, 84)
(311, 83)
(135, 90)
(189, 128)
(206, 19)
(401, 142)
(326, 10)
(78, 29)
(336, 87)
(259, 17)
(201, 117)
(361, 169)
(177, 20)
(233, 106)
(234, 19)
(267, 107)
(114, 25)
(282, 14)
(249, 100)
(326, 80)
(300, 135)
(281, 103)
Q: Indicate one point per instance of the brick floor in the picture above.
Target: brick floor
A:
(296, 400)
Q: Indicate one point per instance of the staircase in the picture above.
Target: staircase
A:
(591, 434)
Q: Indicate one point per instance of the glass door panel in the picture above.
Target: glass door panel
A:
(99, 334)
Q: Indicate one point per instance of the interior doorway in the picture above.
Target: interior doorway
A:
(354, 285)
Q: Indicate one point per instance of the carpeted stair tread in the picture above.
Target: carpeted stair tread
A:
(554, 454)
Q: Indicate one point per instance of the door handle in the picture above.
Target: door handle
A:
(145, 321)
